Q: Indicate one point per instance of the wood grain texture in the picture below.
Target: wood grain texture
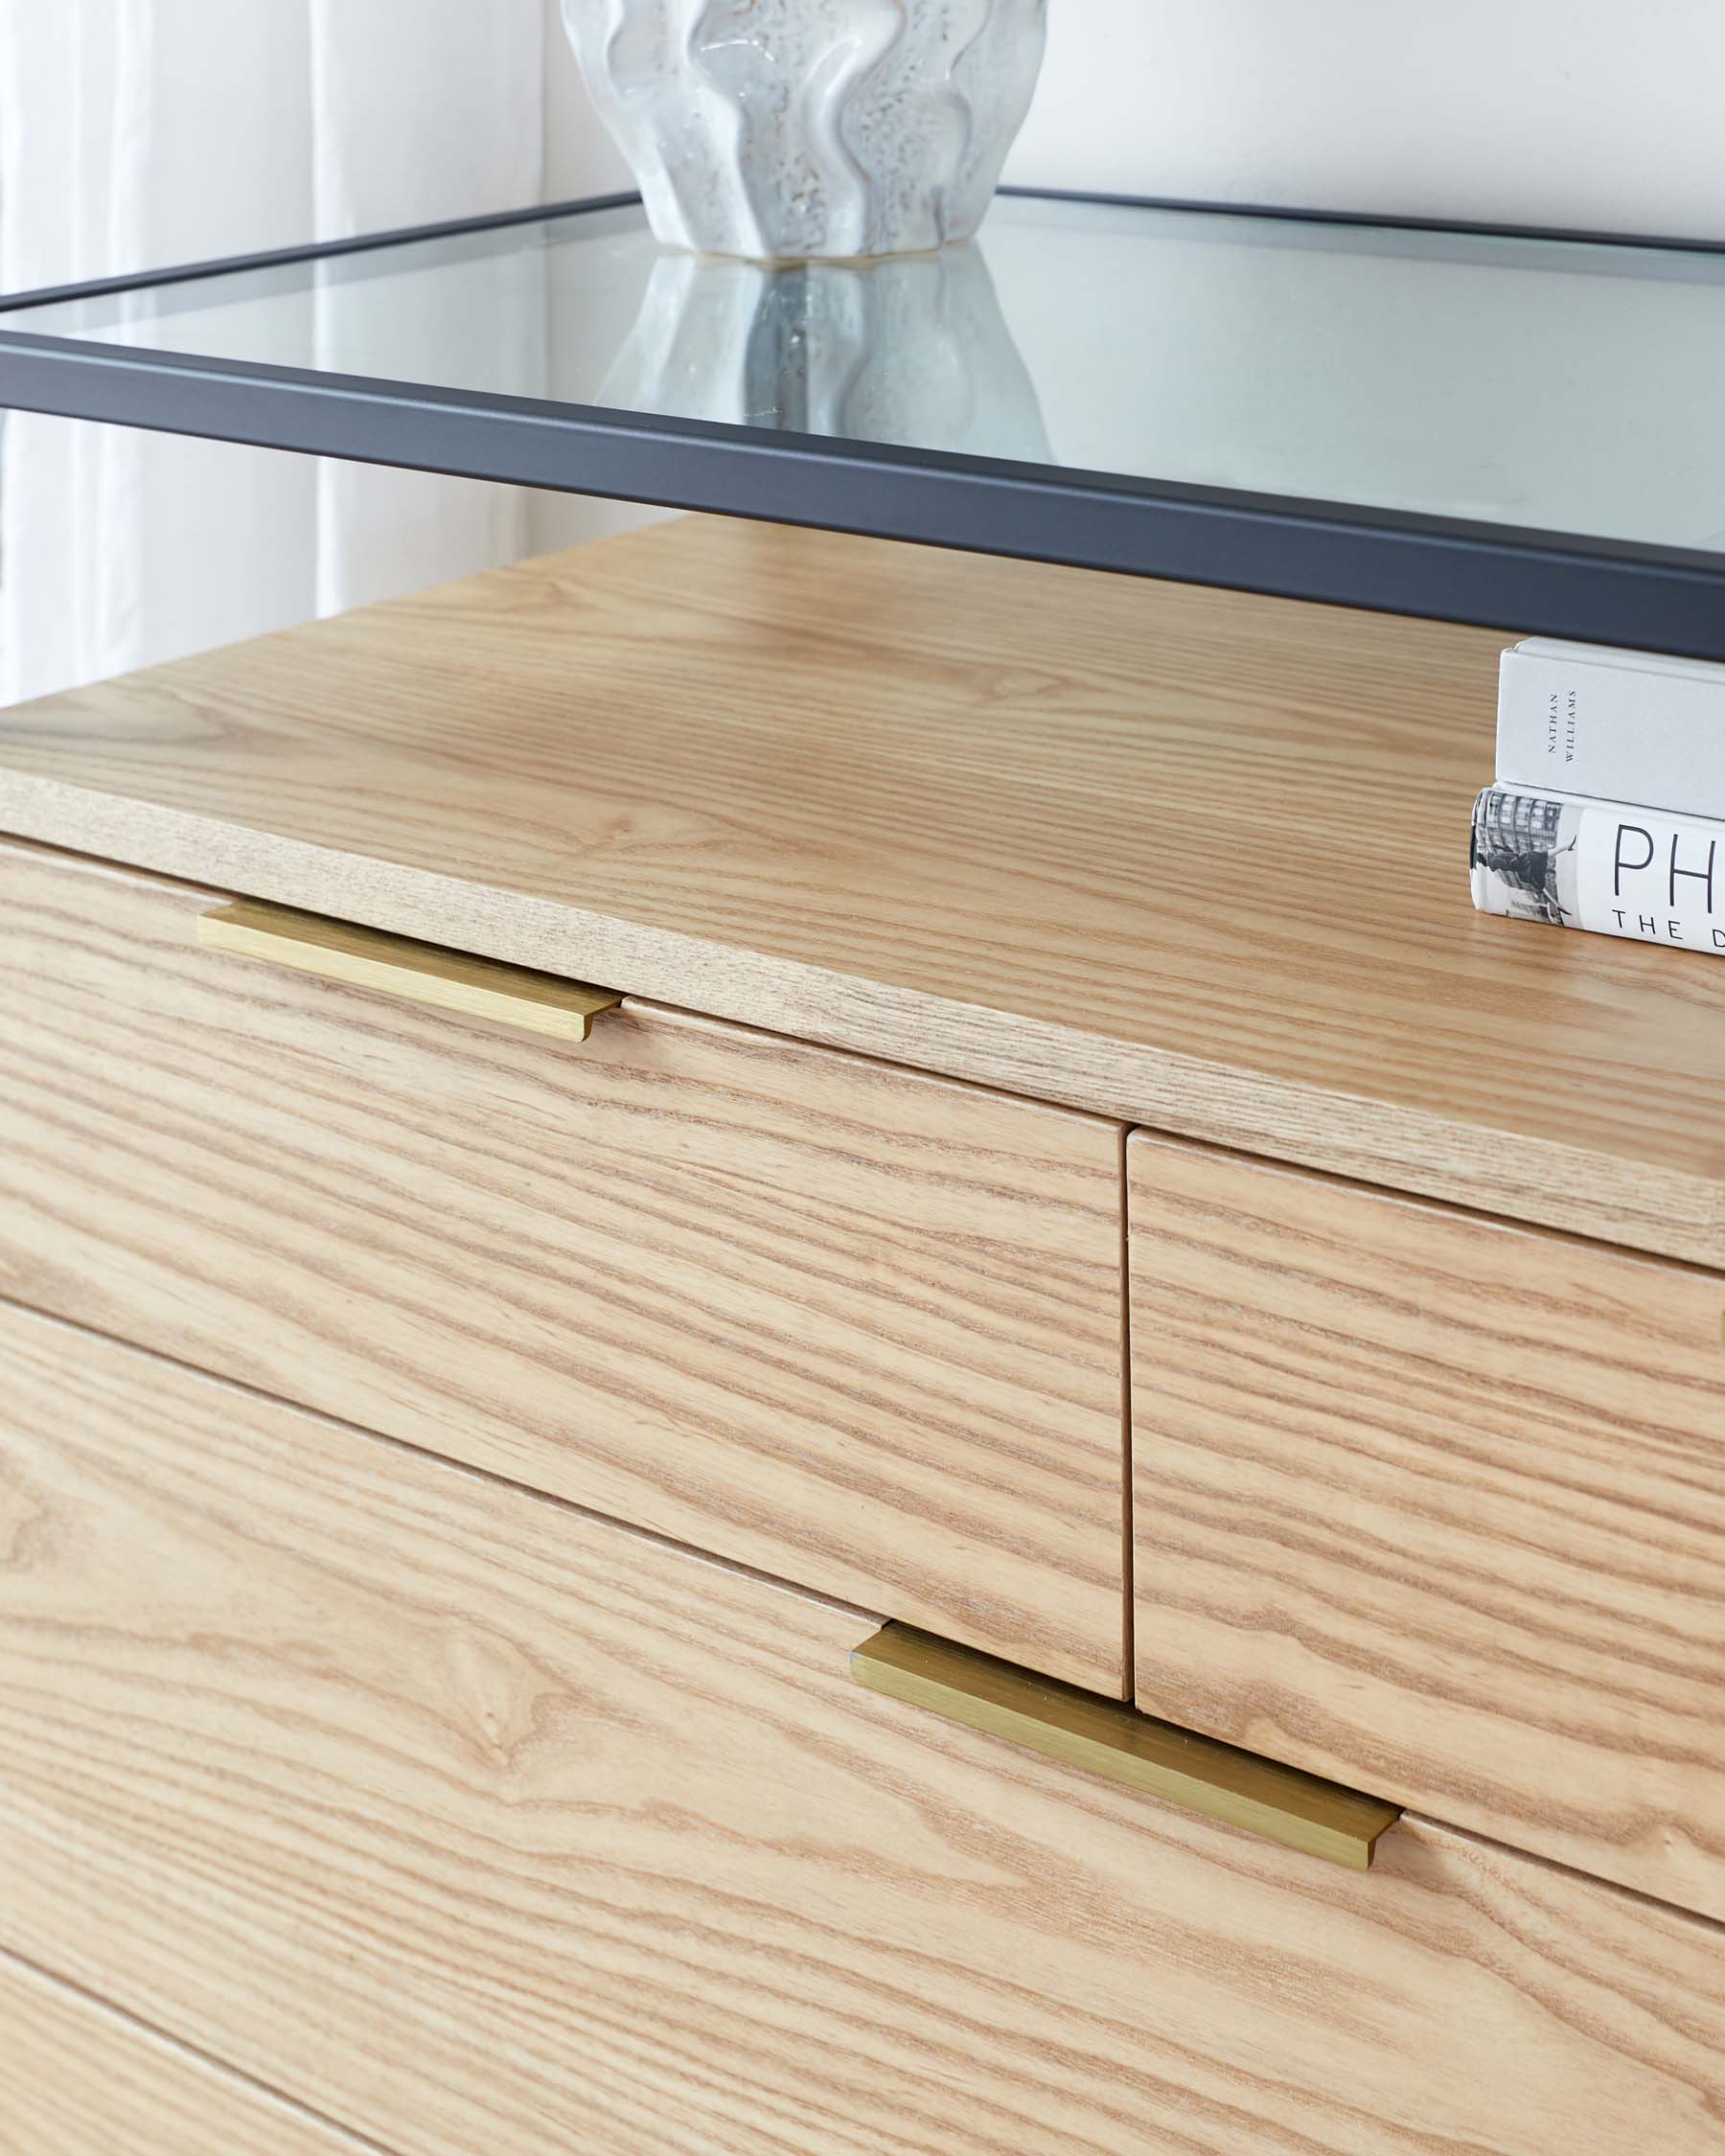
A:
(78, 2079)
(425, 972)
(1107, 1738)
(855, 1326)
(1436, 1506)
(481, 1824)
(1075, 835)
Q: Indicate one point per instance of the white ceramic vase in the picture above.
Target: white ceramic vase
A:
(791, 131)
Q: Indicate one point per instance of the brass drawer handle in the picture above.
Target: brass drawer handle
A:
(425, 972)
(1107, 1738)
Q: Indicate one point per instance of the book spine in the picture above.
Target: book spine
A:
(1617, 733)
(1607, 866)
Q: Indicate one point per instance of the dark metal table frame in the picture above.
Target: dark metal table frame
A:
(1532, 581)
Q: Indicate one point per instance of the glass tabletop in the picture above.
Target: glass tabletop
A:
(1536, 385)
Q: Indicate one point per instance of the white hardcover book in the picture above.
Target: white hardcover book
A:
(1605, 866)
(1619, 726)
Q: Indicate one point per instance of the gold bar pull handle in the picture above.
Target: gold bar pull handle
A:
(425, 972)
(1107, 1738)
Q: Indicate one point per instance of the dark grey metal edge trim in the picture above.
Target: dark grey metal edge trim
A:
(1662, 598)
(1562, 234)
(284, 257)
(281, 258)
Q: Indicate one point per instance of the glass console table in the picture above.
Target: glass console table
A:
(1524, 430)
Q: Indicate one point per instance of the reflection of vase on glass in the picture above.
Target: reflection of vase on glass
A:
(913, 351)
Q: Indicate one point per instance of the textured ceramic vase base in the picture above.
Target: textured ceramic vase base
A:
(801, 129)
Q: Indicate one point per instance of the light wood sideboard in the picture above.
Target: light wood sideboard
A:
(591, 1158)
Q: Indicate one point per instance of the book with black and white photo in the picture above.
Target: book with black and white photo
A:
(1613, 867)
(1617, 725)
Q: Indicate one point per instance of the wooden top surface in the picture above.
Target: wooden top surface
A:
(1193, 859)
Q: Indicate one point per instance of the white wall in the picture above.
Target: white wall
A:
(1607, 114)
(580, 158)
(1597, 113)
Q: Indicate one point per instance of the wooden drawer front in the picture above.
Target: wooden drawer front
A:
(1435, 1505)
(478, 1823)
(847, 1325)
(78, 2079)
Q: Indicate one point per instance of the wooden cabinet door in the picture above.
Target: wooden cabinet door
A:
(1435, 1504)
(852, 1325)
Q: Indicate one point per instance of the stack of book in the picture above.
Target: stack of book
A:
(1608, 811)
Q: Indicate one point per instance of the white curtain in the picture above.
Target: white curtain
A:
(135, 133)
